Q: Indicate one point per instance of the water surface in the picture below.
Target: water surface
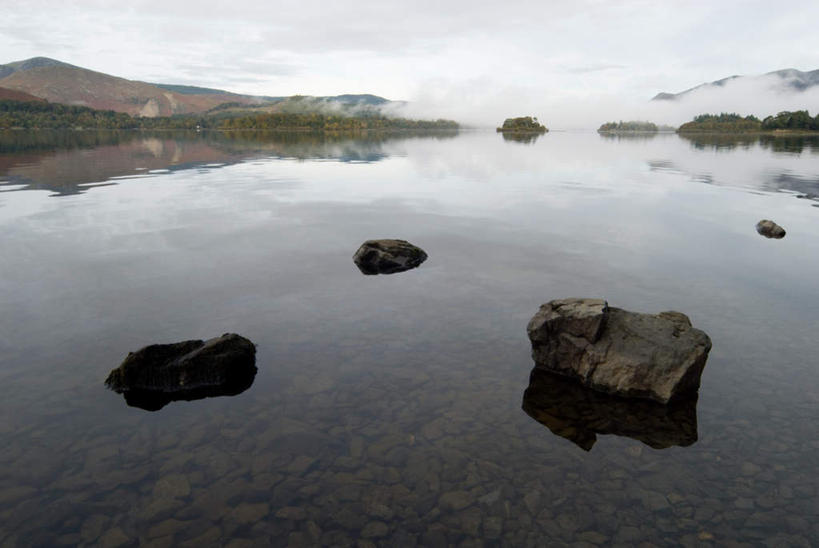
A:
(388, 408)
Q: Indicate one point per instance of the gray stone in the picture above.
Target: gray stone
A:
(172, 486)
(470, 521)
(388, 256)
(455, 500)
(294, 513)
(375, 529)
(658, 357)
(300, 464)
(92, 527)
(593, 537)
(160, 508)
(750, 469)
(250, 513)
(493, 527)
(169, 527)
(532, 502)
(490, 498)
(770, 229)
(744, 503)
(113, 538)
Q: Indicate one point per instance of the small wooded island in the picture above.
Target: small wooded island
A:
(632, 126)
(522, 124)
(791, 122)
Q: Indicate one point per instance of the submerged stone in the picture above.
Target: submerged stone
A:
(388, 256)
(158, 374)
(770, 229)
(658, 357)
(577, 413)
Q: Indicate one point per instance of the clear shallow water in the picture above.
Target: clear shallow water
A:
(388, 408)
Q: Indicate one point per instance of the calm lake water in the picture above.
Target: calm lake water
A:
(387, 410)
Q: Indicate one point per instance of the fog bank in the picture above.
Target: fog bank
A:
(485, 104)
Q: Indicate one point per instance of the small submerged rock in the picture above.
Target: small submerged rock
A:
(577, 413)
(158, 374)
(770, 229)
(388, 256)
(658, 357)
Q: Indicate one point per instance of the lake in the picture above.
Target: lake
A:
(388, 409)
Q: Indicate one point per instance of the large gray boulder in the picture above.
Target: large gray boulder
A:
(770, 229)
(388, 256)
(658, 357)
(160, 373)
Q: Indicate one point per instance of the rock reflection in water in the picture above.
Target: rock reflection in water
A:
(578, 414)
(154, 400)
(525, 138)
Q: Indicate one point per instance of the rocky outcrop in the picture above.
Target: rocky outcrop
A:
(579, 414)
(770, 229)
(388, 256)
(658, 357)
(160, 373)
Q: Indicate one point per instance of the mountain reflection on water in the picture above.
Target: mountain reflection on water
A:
(579, 414)
(71, 162)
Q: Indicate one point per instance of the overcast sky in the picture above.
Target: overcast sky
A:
(528, 52)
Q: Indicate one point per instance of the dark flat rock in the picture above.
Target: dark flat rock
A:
(388, 256)
(157, 374)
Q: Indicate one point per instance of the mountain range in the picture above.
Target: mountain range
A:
(788, 80)
(41, 78)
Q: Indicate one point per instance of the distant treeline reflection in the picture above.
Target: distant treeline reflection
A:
(13, 141)
(793, 144)
(63, 162)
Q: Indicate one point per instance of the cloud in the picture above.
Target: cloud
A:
(477, 59)
(593, 68)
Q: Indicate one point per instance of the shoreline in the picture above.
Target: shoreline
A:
(772, 133)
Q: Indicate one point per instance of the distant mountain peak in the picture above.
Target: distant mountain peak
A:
(28, 64)
(792, 80)
(35, 62)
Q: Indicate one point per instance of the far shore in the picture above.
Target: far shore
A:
(775, 132)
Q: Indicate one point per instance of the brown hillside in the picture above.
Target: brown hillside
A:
(77, 86)
(14, 95)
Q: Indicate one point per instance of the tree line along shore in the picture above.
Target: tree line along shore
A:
(784, 122)
(43, 115)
